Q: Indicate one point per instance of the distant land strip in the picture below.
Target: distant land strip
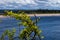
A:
(1, 16)
(44, 14)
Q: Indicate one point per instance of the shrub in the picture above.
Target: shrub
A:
(30, 27)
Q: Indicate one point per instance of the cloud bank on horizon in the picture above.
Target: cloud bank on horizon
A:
(30, 4)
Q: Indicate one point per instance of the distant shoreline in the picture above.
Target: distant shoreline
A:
(44, 14)
(1, 16)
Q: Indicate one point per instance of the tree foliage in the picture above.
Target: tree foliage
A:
(29, 27)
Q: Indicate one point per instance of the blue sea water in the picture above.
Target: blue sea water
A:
(50, 26)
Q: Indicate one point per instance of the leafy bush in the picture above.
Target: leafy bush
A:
(30, 27)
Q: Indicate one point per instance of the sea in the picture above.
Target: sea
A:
(50, 26)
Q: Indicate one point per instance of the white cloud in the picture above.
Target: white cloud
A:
(55, 3)
(19, 1)
(31, 3)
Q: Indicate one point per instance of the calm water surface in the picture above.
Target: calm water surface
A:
(49, 25)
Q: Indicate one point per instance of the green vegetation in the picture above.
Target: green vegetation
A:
(38, 11)
(29, 28)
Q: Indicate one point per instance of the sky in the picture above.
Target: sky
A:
(30, 4)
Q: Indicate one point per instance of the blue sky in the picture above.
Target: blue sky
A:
(30, 4)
